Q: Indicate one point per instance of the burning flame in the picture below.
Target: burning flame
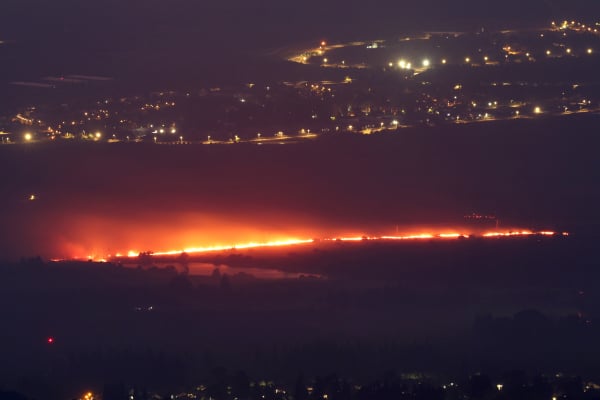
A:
(295, 241)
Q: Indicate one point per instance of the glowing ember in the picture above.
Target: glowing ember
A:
(500, 234)
(193, 250)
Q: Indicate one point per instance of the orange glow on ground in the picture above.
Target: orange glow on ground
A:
(517, 233)
(296, 241)
(278, 243)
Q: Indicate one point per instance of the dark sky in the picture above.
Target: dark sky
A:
(241, 20)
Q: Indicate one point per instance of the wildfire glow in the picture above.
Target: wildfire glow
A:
(500, 234)
(278, 243)
(295, 241)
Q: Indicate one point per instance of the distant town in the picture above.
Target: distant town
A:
(433, 79)
(225, 385)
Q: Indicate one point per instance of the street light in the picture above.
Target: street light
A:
(28, 137)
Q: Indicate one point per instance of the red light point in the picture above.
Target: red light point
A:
(50, 340)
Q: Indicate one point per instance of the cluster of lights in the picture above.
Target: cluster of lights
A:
(403, 64)
(88, 396)
(575, 26)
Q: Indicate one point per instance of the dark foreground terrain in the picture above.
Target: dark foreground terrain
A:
(443, 309)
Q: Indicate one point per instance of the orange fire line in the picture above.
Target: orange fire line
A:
(294, 242)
